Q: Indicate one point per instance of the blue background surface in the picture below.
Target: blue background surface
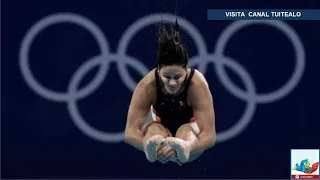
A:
(40, 140)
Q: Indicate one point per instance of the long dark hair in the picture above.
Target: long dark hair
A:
(170, 47)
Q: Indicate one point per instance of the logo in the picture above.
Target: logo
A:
(305, 164)
(73, 94)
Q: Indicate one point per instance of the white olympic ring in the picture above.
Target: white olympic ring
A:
(121, 59)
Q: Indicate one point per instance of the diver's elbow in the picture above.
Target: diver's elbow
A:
(212, 140)
(127, 136)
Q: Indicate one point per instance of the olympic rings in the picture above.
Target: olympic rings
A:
(203, 58)
(40, 26)
(293, 81)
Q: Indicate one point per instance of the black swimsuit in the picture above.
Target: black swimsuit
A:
(173, 111)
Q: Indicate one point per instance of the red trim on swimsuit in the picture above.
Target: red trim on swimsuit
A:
(193, 119)
(158, 119)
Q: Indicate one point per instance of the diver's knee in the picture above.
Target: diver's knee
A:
(183, 128)
(157, 128)
(187, 128)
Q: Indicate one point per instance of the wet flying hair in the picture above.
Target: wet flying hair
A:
(170, 48)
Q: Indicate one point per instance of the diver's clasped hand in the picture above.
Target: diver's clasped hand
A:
(166, 153)
(158, 148)
(173, 149)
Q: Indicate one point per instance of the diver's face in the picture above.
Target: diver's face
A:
(172, 78)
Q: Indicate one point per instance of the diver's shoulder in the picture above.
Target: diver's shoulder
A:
(148, 81)
(198, 79)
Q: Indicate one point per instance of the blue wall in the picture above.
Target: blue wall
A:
(66, 90)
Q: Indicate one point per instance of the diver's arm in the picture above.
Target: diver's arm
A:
(137, 114)
(203, 109)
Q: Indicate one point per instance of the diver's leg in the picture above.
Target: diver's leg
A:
(154, 136)
(186, 136)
